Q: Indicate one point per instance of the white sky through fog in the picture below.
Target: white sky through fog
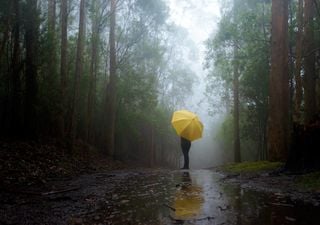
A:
(199, 18)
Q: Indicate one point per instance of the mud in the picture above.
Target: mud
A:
(161, 197)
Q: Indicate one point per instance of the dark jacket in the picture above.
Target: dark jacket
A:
(185, 144)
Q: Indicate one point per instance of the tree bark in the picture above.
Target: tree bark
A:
(31, 74)
(51, 15)
(278, 120)
(237, 151)
(6, 25)
(92, 76)
(52, 42)
(298, 80)
(78, 72)
(15, 112)
(309, 63)
(63, 67)
(50, 78)
(111, 87)
(152, 146)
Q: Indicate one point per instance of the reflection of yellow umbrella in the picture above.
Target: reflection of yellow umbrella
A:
(188, 202)
(187, 125)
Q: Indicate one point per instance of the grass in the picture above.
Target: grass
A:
(310, 181)
(251, 166)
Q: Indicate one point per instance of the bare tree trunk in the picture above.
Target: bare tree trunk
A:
(51, 73)
(278, 121)
(63, 67)
(237, 151)
(31, 92)
(15, 112)
(78, 72)
(92, 78)
(111, 87)
(5, 31)
(52, 40)
(298, 80)
(152, 146)
(309, 63)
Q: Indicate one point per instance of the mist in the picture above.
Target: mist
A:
(199, 19)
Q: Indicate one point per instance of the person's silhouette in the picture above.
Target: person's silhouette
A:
(185, 146)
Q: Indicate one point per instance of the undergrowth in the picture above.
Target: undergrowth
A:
(252, 166)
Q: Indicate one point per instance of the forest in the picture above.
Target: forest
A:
(110, 74)
(90, 87)
(266, 56)
(103, 73)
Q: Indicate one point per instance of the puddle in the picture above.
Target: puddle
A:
(197, 197)
(156, 197)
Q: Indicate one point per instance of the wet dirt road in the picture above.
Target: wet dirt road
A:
(153, 197)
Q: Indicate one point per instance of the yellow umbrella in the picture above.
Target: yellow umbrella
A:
(187, 125)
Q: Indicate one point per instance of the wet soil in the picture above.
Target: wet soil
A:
(276, 183)
(160, 196)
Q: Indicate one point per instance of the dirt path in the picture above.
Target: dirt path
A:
(161, 197)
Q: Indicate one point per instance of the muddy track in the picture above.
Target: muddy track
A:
(159, 197)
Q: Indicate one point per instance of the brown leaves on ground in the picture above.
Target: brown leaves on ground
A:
(32, 163)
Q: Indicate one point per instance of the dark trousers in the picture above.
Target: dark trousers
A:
(186, 158)
(185, 146)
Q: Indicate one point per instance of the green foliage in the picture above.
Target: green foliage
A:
(149, 83)
(310, 181)
(150, 74)
(157, 10)
(245, 26)
(252, 166)
(249, 137)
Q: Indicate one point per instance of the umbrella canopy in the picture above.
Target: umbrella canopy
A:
(187, 125)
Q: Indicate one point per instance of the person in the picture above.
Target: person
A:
(185, 146)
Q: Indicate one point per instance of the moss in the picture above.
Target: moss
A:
(310, 181)
(252, 166)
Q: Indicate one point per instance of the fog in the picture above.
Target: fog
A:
(199, 18)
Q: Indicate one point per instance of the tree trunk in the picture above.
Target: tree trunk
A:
(111, 87)
(51, 73)
(63, 67)
(309, 63)
(298, 81)
(278, 120)
(51, 66)
(152, 147)
(51, 16)
(78, 72)
(31, 85)
(92, 78)
(6, 23)
(237, 151)
(15, 112)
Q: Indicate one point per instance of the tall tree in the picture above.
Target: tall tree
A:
(278, 121)
(77, 75)
(237, 152)
(236, 144)
(111, 87)
(93, 70)
(50, 76)
(309, 63)
(297, 76)
(15, 74)
(51, 38)
(63, 67)
(31, 73)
